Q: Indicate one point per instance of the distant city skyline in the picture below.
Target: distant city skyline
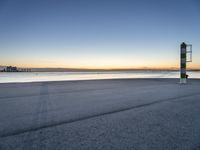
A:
(104, 34)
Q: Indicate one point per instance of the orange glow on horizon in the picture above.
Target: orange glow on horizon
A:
(99, 63)
(106, 67)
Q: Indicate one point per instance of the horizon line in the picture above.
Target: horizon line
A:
(103, 69)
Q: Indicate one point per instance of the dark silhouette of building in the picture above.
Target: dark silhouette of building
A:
(15, 69)
(11, 69)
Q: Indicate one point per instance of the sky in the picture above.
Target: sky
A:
(98, 34)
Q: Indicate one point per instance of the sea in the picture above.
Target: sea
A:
(14, 77)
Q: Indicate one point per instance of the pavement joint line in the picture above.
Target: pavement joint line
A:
(21, 131)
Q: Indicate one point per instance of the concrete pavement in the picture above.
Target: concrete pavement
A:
(100, 114)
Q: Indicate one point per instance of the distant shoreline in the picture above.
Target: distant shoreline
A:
(94, 70)
(46, 69)
(176, 80)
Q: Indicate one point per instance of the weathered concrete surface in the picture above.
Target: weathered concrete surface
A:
(139, 114)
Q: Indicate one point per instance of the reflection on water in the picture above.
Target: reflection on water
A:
(60, 76)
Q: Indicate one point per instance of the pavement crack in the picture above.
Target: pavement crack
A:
(53, 124)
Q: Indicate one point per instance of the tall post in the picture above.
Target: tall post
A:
(183, 60)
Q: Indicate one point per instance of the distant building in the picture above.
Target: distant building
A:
(15, 69)
(11, 69)
(24, 70)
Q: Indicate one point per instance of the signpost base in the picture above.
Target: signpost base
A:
(183, 81)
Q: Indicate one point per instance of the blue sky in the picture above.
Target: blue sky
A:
(98, 33)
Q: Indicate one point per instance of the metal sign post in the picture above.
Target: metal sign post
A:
(184, 60)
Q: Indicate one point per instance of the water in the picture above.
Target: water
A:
(6, 77)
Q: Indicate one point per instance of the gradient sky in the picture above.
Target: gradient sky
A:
(98, 33)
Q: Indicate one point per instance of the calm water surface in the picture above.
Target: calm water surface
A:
(6, 77)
